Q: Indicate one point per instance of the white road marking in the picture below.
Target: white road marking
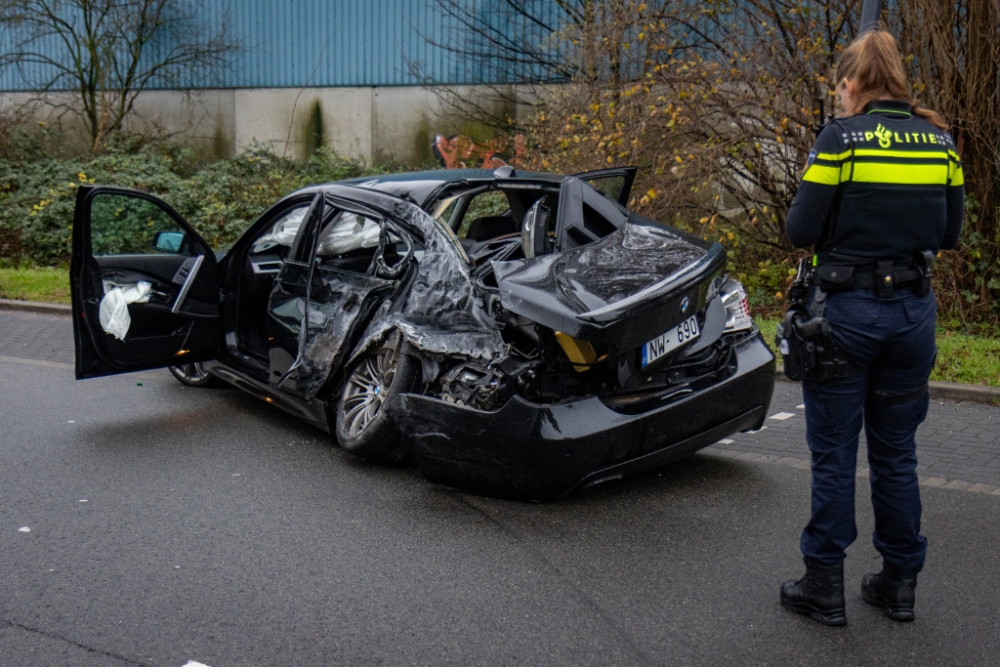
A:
(83, 500)
(782, 416)
(800, 407)
(192, 663)
(727, 441)
(71, 421)
(24, 529)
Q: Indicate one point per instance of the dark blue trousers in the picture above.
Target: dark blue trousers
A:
(894, 338)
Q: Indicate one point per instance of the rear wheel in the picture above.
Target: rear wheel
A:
(195, 375)
(362, 424)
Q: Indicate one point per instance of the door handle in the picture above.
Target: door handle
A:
(186, 285)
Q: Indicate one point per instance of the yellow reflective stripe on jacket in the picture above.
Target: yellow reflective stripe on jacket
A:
(901, 174)
(834, 157)
(955, 175)
(822, 174)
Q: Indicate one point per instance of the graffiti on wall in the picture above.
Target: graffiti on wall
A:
(460, 152)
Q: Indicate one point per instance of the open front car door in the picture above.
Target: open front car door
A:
(145, 286)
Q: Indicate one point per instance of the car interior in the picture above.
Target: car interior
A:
(483, 219)
(347, 241)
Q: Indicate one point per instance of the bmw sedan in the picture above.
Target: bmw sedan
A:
(512, 333)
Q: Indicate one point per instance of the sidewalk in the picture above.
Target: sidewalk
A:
(958, 442)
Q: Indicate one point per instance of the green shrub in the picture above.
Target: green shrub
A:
(220, 199)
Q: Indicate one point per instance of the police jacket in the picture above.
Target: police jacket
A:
(884, 184)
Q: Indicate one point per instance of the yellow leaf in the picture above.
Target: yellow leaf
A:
(651, 193)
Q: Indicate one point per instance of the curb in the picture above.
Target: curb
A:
(970, 393)
(954, 392)
(36, 307)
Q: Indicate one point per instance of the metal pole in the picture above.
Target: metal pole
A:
(871, 12)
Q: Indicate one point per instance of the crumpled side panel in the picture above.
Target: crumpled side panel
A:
(442, 312)
(337, 299)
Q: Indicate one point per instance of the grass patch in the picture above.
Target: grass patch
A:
(962, 357)
(968, 359)
(46, 285)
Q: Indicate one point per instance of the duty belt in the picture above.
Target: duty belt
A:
(882, 277)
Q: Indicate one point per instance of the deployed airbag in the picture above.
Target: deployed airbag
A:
(114, 315)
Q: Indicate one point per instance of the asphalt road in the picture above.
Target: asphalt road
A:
(170, 525)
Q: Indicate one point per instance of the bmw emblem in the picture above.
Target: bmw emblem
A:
(684, 304)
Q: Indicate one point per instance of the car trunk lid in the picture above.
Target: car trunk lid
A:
(623, 290)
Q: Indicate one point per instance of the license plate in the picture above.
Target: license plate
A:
(685, 332)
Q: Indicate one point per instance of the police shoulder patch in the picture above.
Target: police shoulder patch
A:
(812, 158)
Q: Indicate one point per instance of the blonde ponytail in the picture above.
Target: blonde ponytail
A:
(873, 62)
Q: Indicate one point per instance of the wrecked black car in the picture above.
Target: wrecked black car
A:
(515, 334)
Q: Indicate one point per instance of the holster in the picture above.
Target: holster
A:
(798, 356)
(807, 348)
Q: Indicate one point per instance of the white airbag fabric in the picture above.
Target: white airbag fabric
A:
(114, 307)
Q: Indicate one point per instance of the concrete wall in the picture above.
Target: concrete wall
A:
(374, 124)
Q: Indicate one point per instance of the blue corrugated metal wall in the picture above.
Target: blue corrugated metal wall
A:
(294, 43)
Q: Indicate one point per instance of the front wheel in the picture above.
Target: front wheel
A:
(194, 375)
(363, 426)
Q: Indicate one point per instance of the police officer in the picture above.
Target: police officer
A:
(882, 193)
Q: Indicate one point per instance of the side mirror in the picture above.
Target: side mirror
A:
(171, 242)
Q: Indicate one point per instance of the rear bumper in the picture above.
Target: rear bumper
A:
(527, 451)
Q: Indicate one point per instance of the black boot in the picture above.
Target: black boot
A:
(819, 594)
(892, 590)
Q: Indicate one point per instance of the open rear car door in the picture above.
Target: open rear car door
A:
(154, 278)
(615, 183)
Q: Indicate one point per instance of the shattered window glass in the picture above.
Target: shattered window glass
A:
(282, 232)
(348, 232)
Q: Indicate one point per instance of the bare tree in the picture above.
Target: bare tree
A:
(715, 102)
(504, 47)
(515, 50)
(106, 52)
(956, 69)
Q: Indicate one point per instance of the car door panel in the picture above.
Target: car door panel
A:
(337, 301)
(318, 303)
(615, 183)
(179, 323)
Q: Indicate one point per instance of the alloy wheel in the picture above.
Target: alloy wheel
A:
(365, 391)
(193, 373)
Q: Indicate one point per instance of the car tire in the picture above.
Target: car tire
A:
(195, 375)
(363, 425)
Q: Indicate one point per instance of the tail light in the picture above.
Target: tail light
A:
(734, 298)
